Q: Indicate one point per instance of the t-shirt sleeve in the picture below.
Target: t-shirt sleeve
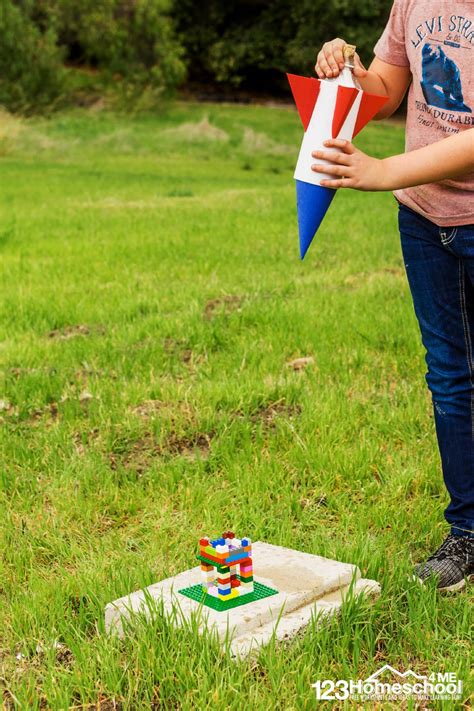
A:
(391, 47)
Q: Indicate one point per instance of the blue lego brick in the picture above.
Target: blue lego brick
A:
(235, 557)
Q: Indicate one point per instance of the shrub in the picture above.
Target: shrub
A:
(131, 38)
(31, 72)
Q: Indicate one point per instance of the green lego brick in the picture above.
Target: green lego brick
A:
(245, 578)
(195, 592)
(217, 566)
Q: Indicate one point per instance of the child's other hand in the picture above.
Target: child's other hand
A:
(330, 61)
(351, 168)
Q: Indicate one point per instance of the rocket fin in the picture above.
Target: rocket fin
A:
(370, 105)
(346, 96)
(312, 203)
(305, 93)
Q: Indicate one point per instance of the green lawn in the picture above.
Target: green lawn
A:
(152, 298)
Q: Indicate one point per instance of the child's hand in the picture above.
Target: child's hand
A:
(351, 168)
(330, 61)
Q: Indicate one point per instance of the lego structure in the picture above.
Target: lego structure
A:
(226, 573)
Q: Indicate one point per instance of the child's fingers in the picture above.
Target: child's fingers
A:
(337, 51)
(345, 146)
(332, 157)
(323, 66)
(330, 60)
(359, 69)
(331, 169)
(337, 183)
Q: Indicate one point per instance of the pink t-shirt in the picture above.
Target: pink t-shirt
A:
(435, 38)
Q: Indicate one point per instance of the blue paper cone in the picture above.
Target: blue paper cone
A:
(312, 202)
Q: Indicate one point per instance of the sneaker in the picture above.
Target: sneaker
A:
(451, 564)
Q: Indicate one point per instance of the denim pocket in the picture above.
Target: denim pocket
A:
(447, 235)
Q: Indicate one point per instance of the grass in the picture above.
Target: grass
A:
(153, 305)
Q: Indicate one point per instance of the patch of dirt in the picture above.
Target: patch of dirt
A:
(191, 447)
(179, 349)
(267, 413)
(104, 705)
(201, 130)
(12, 413)
(83, 440)
(140, 454)
(300, 363)
(50, 410)
(7, 409)
(314, 500)
(18, 372)
(81, 329)
(148, 408)
(222, 305)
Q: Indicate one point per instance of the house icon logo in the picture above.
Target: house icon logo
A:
(387, 671)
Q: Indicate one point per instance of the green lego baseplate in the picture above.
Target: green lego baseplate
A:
(197, 593)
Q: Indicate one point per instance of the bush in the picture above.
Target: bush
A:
(133, 39)
(31, 72)
(129, 40)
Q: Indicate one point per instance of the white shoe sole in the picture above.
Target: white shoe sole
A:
(456, 587)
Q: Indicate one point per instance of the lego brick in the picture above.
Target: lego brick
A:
(212, 554)
(237, 557)
(211, 560)
(246, 562)
(235, 583)
(211, 550)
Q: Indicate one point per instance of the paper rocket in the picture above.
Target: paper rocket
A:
(327, 109)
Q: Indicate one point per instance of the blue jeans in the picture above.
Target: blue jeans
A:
(439, 263)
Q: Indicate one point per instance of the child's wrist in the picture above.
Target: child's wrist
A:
(386, 175)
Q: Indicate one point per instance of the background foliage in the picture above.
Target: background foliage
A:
(247, 42)
(49, 47)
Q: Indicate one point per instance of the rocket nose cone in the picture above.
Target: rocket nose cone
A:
(312, 203)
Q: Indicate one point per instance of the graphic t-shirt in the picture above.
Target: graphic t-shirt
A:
(436, 40)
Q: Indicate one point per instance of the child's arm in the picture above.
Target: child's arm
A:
(352, 168)
(381, 78)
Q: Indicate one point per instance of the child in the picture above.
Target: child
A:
(431, 45)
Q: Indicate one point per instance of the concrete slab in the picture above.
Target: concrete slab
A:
(290, 625)
(301, 579)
